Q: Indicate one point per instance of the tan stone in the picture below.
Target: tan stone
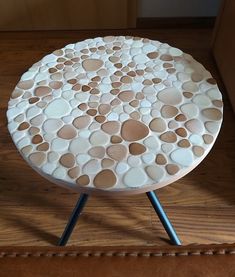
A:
(111, 127)
(106, 163)
(133, 130)
(212, 113)
(82, 121)
(37, 139)
(83, 180)
(43, 147)
(198, 151)
(105, 179)
(104, 109)
(67, 160)
(97, 152)
(157, 125)
(181, 132)
(42, 91)
(136, 148)
(160, 159)
(168, 111)
(172, 169)
(92, 64)
(23, 126)
(74, 172)
(184, 143)
(37, 158)
(117, 152)
(169, 137)
(67, 132)
(126, 96)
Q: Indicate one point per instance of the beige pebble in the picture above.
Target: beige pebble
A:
(55, 84)
(156, 80)
(196, 77)
(126, 96)
(172, 169)
(160, 159)
(198, 151)
(212, 113)
(83, 180)
(181, 132)
(170, 96)
(67, 160)
(27, 150)
(166, 58)
(37, 158)
(67, 132)
(168, 137)
(184, 143)
(111, 127)
(92, 64)
(33, 100)
(136, 148)
(135, 115)
(106, 163)
(82, 121)
(152, 55)
(217, 103)
(37, 120)
(116, 139)
(168, 111)
(33, 131)
(28, 84)
(194, 126)
(208, 139)
(133, 130)
(42, 91)
(187, 94)
(105, 179)
(117, 152)
(92, 112)
(104, 109)
(190, 86)
(97, 152)
(74, 172)
(126, 79)
(157, 125)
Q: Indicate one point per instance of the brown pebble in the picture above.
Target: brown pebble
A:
(76, 87)
(208, 139)
(134, 103)
(115, 91)
(133, 130)
(126, 79)
(152, 55)
(171, 70)
(83, 180)
(116, 84)
(180, 117)
(92, 112)
(96, 79)
(33, 131)
(167, 65)
(147, 82)
(28, 84)
(105, 179)
(181, 132)
(74, 172)
(126, 96)
(100, 118)
(82, 106)
(217, 103)
(157, 125)
(211, 81)
(160, 159)
(212, 113)
(23, 126)
(135, 115)
(136, 148)
(156, 80)
(43, 147)
(131, 73)
(37, 139)
(67, 160)
(117, 152)
(111, 127)
(92, 64)
(172, 169)
(115, 102)
(82, 121)
(67, 132)
(184, 143)
(56, 84)
(198, 151)
(27, 149)
(33, 100)
(187, 94)
(166, 58)
(116, 139)
(42, 91)
(139, 96)
(168, 137)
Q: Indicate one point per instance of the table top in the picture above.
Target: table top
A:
(115, 115)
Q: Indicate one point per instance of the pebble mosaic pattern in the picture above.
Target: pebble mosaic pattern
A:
(115, 113)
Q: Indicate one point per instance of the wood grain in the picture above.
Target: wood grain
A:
(34, 211)
(63, 15)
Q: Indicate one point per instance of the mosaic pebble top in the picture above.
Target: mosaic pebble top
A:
(115, 113)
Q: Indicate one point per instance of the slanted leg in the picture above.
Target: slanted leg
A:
(73, 219)
(163, 217)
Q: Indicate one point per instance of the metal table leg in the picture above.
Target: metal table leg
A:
(163, 217)
(73, 219)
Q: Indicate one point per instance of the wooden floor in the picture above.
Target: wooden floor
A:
(34, 211)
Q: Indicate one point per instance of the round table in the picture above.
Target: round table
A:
(115, 115)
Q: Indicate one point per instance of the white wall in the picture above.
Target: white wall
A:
(178, 8)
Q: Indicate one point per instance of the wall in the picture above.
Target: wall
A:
(178, 8)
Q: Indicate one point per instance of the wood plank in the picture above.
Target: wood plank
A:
(34, 211)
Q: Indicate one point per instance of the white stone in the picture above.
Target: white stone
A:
(57, 108)
(137, 86)
(182, 156)
(76, 112)
(49, 58)
(53, 157)
(12, 126)
(145, 110)
(68, 119)
(12, 113)
(190, 110)
(60, 172)
(52, 125)
(147, 48)
(74, 103)
(22, 105)
(134, 161)
(167, 147)
(18, 135)
(202, 101)
(135, 177)
(94, 126)
(170, 96)
(135, 51)
(82, 97)
(105, 88)
(59, 144)
(82, 158)
(91, 167)
(140, 59)
(148, 158)
(214, 94)
(23, 142)
(212, 126)
(68, 94)
(84, 133)
(156, 173)
(112, 116)
(123, 117)
(48, 168)
(79, 145)
(149, 89)
(146, 118)
(155, 113)
(106, 98)
(118, 109)
(175, 51)
(27, 75)
(145, 103)
(137, 43)
(151, 98)
(152, 143)
(196, 139)
(121, 168)
(99, 138)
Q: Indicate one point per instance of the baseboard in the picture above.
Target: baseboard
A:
(175, 22)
